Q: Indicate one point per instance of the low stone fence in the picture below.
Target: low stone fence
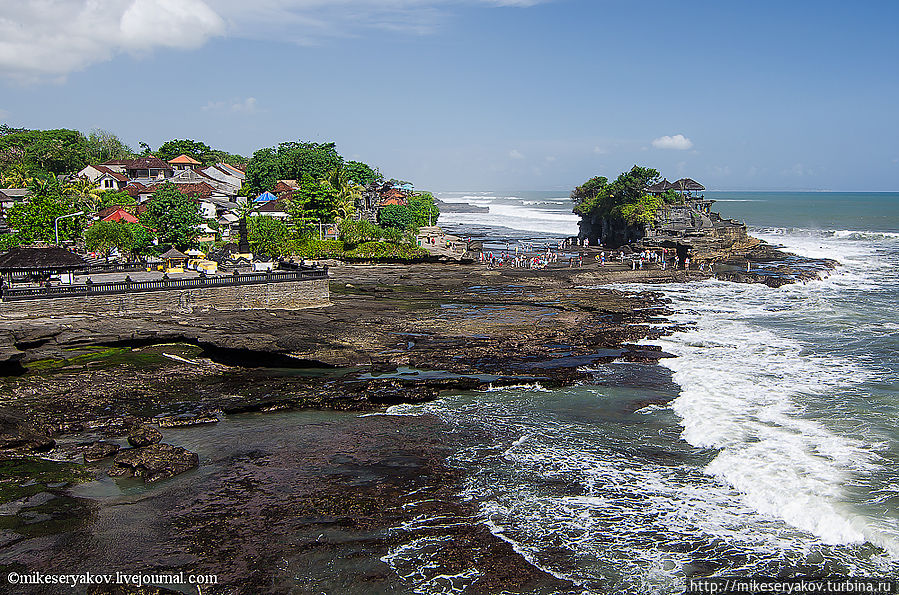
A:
(276, 290)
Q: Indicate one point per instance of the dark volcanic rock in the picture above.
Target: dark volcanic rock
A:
(17, 435)
(144, 436)
(186, 419)
(99, 450)
(154, 462)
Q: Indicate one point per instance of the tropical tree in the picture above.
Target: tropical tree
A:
(84, 194)
(104, 236)
(17, 176)
(314, 202)
(111, 198)
(290, 160)
(192, 148)
(361, 173)
(268, 236)
(347, 192)
(34, 220)
(174, 216)
(103, 145)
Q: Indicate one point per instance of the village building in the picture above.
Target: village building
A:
(175, 261)
(117, 214)
(145, 168)
(285, 188)
(182, 162)
(10, 197)
(104, 178)
(38, 264)
(275, 208)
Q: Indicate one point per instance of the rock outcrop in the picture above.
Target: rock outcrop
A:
(154, 462)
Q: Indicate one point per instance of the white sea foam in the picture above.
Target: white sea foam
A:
(744, 390)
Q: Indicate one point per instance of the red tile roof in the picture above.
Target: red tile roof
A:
(184, 160)
(114, 174)
(134, 189)
(197, 190)
(274, 206)
(285, 187)
(116, 214)
(148, 162)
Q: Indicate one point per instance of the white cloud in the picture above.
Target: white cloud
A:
(597, 150)
(678, 142)
(516, 154)
(48, 39)
(245, 106)
(51, 38)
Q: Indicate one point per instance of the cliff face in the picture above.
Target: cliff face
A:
(610, 232)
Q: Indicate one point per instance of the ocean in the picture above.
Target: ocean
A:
(768, 446)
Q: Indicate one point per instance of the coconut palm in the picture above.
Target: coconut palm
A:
(84, 193)
(347, 192)
(17, 177)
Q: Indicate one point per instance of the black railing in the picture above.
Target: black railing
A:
(120, 287)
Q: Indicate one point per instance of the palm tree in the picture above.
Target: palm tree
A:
(347, 192)
(85, 194)
(17, 177)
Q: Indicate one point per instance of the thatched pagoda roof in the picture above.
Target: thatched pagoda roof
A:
(39, 258)
(660, 187)
(174, 254)
(687, 185)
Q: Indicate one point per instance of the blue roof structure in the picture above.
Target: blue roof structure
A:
(265, 197)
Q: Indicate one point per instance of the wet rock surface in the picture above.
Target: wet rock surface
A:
(99, 450)
(269, 516)
(154, 462)
(144, 436)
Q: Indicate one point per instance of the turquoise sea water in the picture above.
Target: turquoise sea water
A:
(769, 446)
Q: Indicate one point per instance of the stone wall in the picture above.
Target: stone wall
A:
(284, 295)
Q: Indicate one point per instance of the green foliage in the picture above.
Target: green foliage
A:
(361, 173)
(175, 148)
(103, 236)
(640, 212)
(314, 202)
(624, 198)
(353, 233)
(319, 249)
(586, 195)
(57, 151)
(425, 208)
(175, 217)
(9, 240)
(397, 217)
(290, 161)
(141, 239)
(268, 235)
(421, 210)
(34, 220)
(113, 199)
(103, 145)
(197, 150)
(670, 197)
(263, 171)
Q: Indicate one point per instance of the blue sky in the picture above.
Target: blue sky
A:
(481, 94)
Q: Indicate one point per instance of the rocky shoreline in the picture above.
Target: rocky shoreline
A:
(75, 388)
